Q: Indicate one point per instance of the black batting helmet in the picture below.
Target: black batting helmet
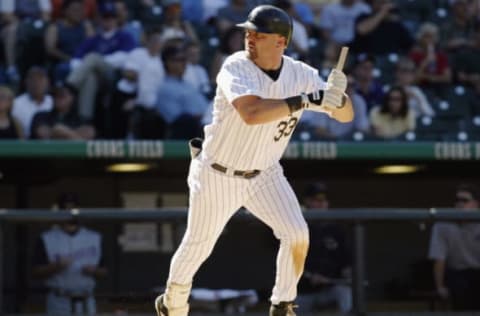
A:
(269, 19)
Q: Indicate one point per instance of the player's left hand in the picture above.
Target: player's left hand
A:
(337, 79)
(332, 99)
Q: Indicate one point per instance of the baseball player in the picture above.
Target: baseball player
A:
(68, 257)
(260, 97)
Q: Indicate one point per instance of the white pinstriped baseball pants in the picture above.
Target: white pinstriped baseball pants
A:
(215, 197)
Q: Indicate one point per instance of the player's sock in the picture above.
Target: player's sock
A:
(176, 295)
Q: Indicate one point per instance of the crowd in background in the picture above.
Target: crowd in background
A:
(146, 69)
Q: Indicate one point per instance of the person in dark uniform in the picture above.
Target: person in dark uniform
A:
(327, 276)
(9, 127)
(455, 252)
(69, 258)
(63, 121)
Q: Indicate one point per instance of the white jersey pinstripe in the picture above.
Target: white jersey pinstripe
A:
(229, 141)
(215, 196)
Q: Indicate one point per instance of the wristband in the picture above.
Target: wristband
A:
(316, 97)
(294, 103)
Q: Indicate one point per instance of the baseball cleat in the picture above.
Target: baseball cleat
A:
(283, 309)
(163, 310)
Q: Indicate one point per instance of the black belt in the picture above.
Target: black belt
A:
(239, 173)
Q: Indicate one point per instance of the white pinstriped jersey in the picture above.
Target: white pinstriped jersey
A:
(229, 141)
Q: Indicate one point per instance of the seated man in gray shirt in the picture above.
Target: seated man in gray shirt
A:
(455, 250)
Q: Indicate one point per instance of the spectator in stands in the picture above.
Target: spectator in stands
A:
(316, 8)
(21, 18)
(97, 58)
(475, 9)
(179, 104)
(322, 127)
(147, 11)
(69, 258)
(327, 275)
(35, 99)
(89, 8)
(366, 84)
(455, 251)
(193, 11)
(3, 76)
(236, 11)
(433, 69)
(133, 106)
(62, 122)
(63, 37)
(299, 45)
(394, 117)
(337, 21)
(455, 32)
(196, 74)
(381, 31)
(173, 24)
(304, 12)
(211, 8)
(466, 63)
(9, 126)
(405, 78)
(329, 59)
(231, 41)
(125, 22)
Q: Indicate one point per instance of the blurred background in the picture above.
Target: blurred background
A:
(94, 126)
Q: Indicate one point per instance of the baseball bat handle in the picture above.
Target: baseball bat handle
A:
(342, 58)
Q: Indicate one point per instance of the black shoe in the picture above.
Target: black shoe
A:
(283, 309)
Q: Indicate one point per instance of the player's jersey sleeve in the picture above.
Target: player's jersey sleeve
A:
(228, 139)
(238, 77)
(311, 80)
(438, 244)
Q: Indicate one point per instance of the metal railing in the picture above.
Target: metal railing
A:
(357, 217)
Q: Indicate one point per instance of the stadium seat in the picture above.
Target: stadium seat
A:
(30, 45)
(457, 103)
(419, 10)
(385, 67)
(471, 126)
(434, 128)
(441, 12)
(456, 136)
(316, 51)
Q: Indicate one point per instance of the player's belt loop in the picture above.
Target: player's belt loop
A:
(238, 173)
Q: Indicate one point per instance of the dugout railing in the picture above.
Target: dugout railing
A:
(358, 218)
